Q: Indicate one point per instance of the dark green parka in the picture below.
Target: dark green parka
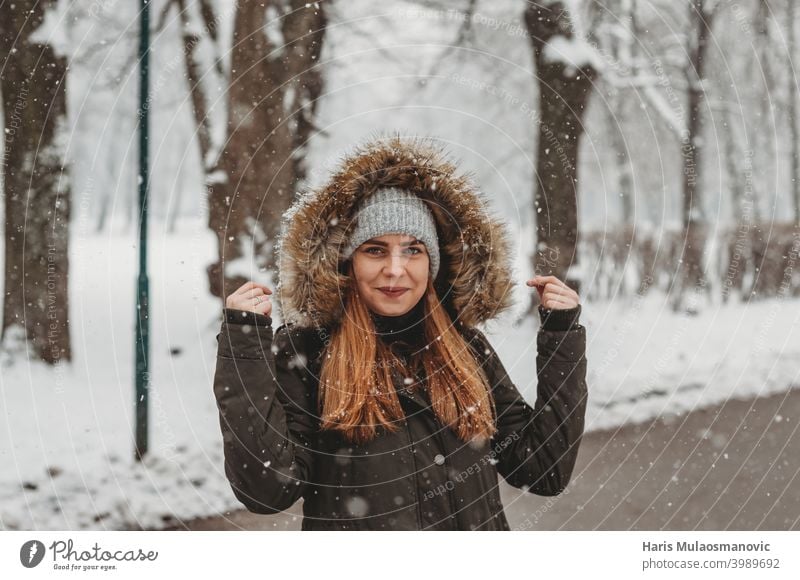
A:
(421, 477)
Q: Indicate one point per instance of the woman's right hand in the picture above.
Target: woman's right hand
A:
(251, 297)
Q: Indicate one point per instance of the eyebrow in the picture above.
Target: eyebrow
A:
(384, 244)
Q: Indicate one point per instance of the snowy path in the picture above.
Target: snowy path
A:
(734, 466)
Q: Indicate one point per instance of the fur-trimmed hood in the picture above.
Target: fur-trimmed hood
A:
(475, 278)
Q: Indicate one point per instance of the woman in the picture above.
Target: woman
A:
(379, 402)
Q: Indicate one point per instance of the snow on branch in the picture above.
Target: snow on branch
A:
(54, 29)
(671, 115)
(572, 52)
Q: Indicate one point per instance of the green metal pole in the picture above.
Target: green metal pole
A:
(142, 286)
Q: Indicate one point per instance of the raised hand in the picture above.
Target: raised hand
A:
(251, 297)
(553, 293)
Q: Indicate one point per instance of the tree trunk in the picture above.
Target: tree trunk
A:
(305, 80)
(691, 274)
(273, 87)
(738, 165)
(36, 184)
(563, 92)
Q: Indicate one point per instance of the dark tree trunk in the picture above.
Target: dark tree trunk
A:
(273, 87)
(36, 183)
(307, 27)
(194, 75)
(691, 253)
(691, 270)
(563, 93)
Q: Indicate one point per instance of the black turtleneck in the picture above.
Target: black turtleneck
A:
(406, 327)
(404, 334)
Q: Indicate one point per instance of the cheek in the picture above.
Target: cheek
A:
(363, 271)
(422, 270)
(420, 283)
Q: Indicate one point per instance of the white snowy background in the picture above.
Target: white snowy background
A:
(66, 438)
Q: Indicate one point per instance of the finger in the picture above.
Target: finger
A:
(537, 283)
(260, 298)
(539, 289)
(264, 307)
(548, 298)
(244, 300)
(565, 291)
(548, 279)
(542, 280)
(556, 294)
(244, 288)
(556, 283)
(551, 287)
(261, 287)
(562, 290)
(546, 282)
(556, 290)
(253, 292)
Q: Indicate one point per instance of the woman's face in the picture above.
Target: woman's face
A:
(392, 261)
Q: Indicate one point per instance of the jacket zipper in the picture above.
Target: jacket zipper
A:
(451, 500)
(414, 486)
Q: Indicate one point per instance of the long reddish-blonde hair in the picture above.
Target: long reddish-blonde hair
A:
(356, 390)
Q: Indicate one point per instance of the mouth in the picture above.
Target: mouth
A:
(393, 293)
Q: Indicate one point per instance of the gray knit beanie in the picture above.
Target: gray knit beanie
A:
(395, 211)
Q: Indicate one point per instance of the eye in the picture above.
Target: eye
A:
(415, 250)
(371, 248)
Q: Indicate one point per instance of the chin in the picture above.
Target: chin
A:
(392, 309)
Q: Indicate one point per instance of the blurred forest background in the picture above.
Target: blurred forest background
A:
(645, 151)
(631, 144)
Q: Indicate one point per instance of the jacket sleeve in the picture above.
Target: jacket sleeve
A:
(536, 448)
(265, 411)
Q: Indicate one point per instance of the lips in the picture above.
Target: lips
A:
(393, 293)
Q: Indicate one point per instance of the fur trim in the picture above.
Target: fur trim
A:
(474, 280)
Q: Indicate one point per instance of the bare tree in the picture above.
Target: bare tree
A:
(691, 258)
(614, 28)
(564, 70)
(687, 124)
(255, 163)
(36, 182)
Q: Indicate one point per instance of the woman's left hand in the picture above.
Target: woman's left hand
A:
(553, 293)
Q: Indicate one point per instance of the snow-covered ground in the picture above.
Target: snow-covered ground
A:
(66, 443)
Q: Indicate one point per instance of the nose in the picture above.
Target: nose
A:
(395, 265)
